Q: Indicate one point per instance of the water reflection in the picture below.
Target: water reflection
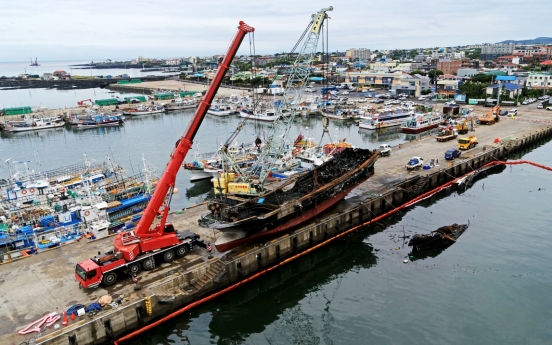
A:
(383, 135)
(43, 133)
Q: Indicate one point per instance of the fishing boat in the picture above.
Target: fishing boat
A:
(266, 116)
(222, 109)
(34, 124)
(180, 104)
(386, 117)
(101, 121)
(245, 219)
(144, 110)
(341, 114)
(419, 123)
(444, 236)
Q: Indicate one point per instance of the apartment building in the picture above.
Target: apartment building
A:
(360, 53)
(449, 66)
(539, 80)
(493, 51)
(398, 81)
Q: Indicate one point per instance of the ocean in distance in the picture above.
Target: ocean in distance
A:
(491, 287)
(53, 98)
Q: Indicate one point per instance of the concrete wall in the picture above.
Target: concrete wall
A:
(198, 281)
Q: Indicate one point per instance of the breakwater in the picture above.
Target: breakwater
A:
(71, 84)
(219, 275)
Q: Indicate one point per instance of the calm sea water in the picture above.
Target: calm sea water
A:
(52, 98)
(491, 287)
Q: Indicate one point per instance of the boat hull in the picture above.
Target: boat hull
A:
(419, 129)
(228, 241)
(14, 129)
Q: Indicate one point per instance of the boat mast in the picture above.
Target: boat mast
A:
(293, 91)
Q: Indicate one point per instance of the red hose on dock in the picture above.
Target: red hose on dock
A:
(256, 275)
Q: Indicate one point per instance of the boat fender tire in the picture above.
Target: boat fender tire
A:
(31, 190)
(86, 213)
(23, 192)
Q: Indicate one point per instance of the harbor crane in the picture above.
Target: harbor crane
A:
(138, 249)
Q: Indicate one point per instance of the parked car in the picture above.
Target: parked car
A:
(414, 163)
(503, 113)
(525, 102)
(385, 150)
(452, 153)
(512, 112)
(371, 90)
(548, 108)
(540, 106)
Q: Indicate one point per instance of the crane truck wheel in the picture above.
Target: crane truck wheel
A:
(182, 251)
(148, 264)
(168, 256)
(109, 278)
(134, 269)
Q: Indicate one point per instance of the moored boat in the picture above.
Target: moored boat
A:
(144, 110)
(34, 124)
(180, 104)
(101, 121)
(386, 117)
(296, 201)
(419, 123)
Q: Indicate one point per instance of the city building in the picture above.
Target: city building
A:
(466, 72)
(448, 84)
(449, 66)
(493, 51)
(173, 62)
(360, 53)
(539, 80)
(399, 82)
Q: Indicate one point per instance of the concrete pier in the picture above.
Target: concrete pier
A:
(45, 283)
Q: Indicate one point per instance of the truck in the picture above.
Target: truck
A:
(415, 163)
(467, 143)
(385, 150)
(140, 248)
(447, 134)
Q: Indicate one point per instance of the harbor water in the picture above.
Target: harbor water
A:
(154, 136)
(491, 287)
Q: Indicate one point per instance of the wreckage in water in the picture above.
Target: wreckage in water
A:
(444, 236)
(244, 219)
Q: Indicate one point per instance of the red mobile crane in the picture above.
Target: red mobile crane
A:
(138, 249)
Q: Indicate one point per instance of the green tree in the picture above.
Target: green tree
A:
(434, 73)
(418, 71)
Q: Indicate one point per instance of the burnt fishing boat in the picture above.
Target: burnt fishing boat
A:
(243, 220)
(444, 236)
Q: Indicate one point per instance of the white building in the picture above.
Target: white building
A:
(493, 51)
(539, 80)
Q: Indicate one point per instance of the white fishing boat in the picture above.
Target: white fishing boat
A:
(386, 117)
(34, 124)
(222, 109)
(180, 104)
(267, 116)
(144, 110)
(421, 122)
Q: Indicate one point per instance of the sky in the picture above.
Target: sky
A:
(116, 29)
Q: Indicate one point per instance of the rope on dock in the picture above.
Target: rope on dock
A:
(256, 275)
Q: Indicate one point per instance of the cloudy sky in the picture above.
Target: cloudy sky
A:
(117, 29)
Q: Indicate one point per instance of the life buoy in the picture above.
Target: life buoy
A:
(31, 190)
(86, 213)
(23, 192)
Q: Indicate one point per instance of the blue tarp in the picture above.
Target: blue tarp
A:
(47, 221)
(506, 78)
(316, 79)
(130, 202)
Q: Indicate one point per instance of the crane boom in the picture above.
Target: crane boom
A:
(295, 86)
(157, 237)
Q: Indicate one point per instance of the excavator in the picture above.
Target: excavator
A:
(491, 117)
(84, 103)
(463, 128)
(138, 249)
